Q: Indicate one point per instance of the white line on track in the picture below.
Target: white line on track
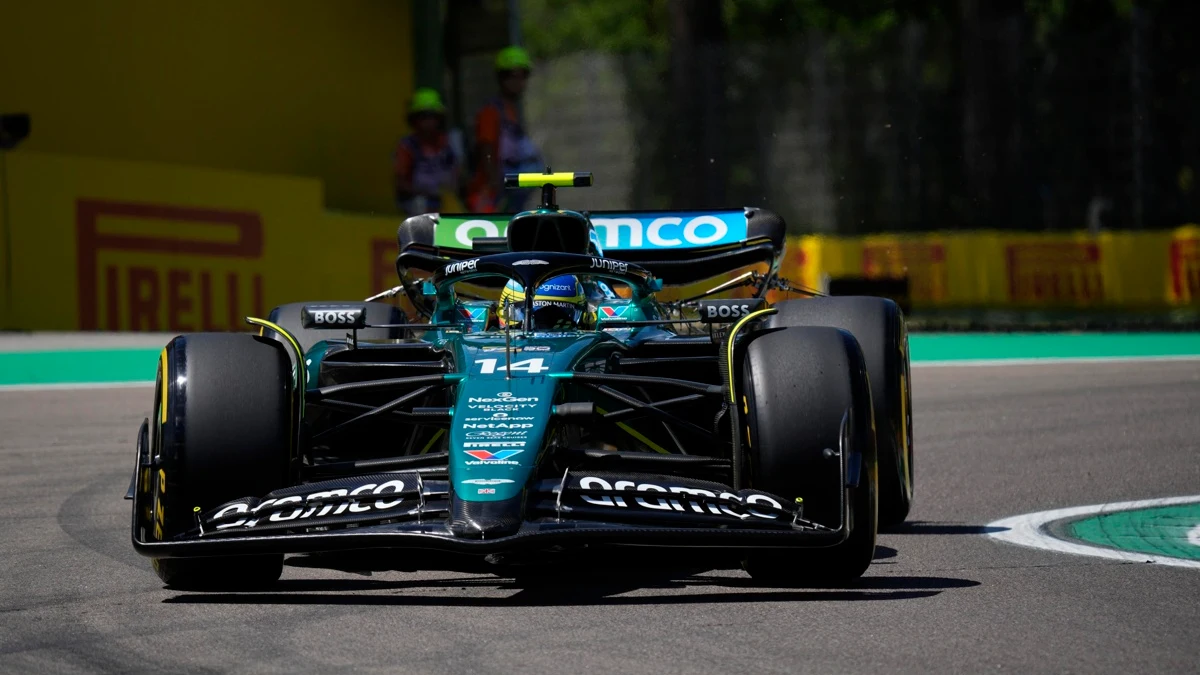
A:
(1052, 360)
(1029, 530)
(68, 386)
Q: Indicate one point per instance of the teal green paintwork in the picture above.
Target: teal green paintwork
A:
(508, 416)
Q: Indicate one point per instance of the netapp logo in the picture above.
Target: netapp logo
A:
(676, 497)
(497, 425)
(462, 266)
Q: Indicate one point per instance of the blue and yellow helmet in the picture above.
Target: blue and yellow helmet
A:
(559, 303)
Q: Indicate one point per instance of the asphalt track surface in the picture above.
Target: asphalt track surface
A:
(992, 442)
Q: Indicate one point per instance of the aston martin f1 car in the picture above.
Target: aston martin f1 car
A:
(550, 401)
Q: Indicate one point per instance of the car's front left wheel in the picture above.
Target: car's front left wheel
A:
(222, 430)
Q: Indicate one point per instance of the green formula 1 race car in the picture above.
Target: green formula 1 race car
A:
(551, 405)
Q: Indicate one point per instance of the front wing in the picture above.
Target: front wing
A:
(404, 510)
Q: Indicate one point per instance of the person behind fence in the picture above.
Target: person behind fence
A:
(428, 170)
(501, 142)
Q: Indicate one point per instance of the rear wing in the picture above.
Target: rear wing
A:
(678, 247)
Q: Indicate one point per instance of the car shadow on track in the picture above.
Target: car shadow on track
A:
(926, 527)
(654, 590)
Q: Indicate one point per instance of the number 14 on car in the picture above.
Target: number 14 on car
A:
(531, 366)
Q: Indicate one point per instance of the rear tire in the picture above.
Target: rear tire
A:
(878, 326)
(222, 430)
(800, 383)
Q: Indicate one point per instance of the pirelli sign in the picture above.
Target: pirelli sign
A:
(1055, 273)
(154, 267)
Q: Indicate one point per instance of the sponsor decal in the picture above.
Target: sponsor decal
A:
(619, 231)
(462, 266)
(680, 498)
(537, 348)
(473, 314)
(1185, 269)
(373, 497)
(497, 425)
(666, 230)
(487, 481)
(613, 312)
(922, 263)
(509, 407)
(610, 265)
(529, 262)
(321, 316)
(155, 267)
(727, 311)
(493, 456)
(486, 491)
(1055, 273)
(498, 434)
(506, 418)
(494, 444)
(503, 397)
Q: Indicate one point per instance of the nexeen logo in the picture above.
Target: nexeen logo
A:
(617, 230)
(167, 268)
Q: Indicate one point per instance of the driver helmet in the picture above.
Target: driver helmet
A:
(559, 303)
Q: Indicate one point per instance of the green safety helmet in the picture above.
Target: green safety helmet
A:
(513, 58)
(426, 100)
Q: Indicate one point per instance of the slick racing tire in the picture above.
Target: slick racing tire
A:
(878, 325)
(287, 317)
(222, 430)
(807, 396)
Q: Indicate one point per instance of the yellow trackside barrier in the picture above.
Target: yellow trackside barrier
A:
(118, 245)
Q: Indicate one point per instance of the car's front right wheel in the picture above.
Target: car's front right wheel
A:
(808, 403)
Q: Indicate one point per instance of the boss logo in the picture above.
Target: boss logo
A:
(728, 311)
(314, 316)
(462, 266)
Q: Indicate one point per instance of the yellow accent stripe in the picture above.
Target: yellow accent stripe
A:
(301, 370)
(432, 441)
(301, 377)
(162, 368)
(633, 432)
(729, 347)
(529, 180)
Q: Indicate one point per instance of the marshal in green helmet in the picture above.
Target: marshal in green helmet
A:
(513, 58)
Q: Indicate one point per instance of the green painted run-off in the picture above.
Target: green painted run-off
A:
(1160, 530)
(138, 364)
(980, 346)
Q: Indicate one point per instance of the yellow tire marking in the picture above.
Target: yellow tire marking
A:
(162, 369)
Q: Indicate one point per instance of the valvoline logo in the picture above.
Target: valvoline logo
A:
(610, 312)
(493, 456)
(669, 230)
(473, 313)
